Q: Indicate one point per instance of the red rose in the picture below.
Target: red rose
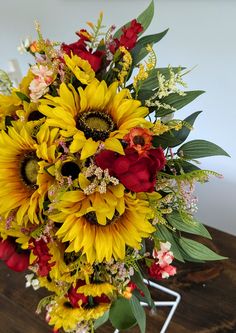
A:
(7, 248)
(136, 172)
(79, 48)
(18, 262)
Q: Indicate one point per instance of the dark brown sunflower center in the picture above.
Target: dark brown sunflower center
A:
(139, 140)
(96, 125)
(70, 169)
(91, 217)
(29, 169)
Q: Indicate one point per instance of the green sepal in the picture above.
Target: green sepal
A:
(121, 314)
(192, 226)
(200, 148)
(22, 96)
(198, 251)
(145, 18)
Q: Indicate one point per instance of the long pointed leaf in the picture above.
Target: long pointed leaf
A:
(200, 148)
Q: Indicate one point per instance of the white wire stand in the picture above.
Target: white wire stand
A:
(172, 304)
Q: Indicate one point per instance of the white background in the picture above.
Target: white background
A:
(202, 33)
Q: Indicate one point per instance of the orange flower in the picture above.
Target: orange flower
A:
(140, 139)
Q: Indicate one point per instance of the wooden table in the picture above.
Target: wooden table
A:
(208, 303)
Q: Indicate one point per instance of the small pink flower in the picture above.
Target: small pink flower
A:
(40, 84)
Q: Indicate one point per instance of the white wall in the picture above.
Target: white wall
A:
(202, 33)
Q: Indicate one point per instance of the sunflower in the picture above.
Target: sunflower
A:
(63, 315)
(96, 289)
(102, 241)
(23, 183)
(94, 115)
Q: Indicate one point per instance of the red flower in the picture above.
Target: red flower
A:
(7, 248)
(77, 299)
(129, 37)
(159, 273)
(17, 261)
(136, 172)
(41, 251)
(101, 299)
(79, 48)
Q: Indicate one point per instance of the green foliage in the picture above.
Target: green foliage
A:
(185, 223)
(121, 314)
(101, 320)
(165, 235)
(138, 280)
(200, 148)
(174, 138)
(139, 313)
(139, 51)
(197, 250)
(177, 101)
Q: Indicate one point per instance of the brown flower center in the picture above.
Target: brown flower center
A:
(96, 125)
(139, 140)
(29, 169)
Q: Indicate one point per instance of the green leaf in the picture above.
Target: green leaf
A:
(177, 101)
(145, 18)
(151, 82)
(139, 313)
(193, 227)
(200, 148)
(101, 320)
(121, 314)
(138, 280)
(139, 51)
(174, 138)
(184, 166)
(22, 96)
(164, 234)
(198, 251)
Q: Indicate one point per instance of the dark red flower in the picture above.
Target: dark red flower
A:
(7, 248)
(41, 251)
(136, 172)
(128, 38)
(77, 299)
(130, 35)
(101, 299)
(18, 262)
(80, 49)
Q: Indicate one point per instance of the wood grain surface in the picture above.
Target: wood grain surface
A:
(208, 303)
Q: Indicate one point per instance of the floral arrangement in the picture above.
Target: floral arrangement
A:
(96, 182)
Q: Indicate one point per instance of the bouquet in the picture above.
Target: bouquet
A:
(96, 182)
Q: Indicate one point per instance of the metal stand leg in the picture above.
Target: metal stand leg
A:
(172, 304)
